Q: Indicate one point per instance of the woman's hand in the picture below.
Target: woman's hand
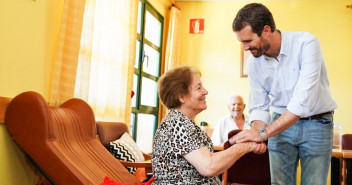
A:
(257, 148)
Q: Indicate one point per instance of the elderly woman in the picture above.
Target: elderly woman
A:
(182, 152)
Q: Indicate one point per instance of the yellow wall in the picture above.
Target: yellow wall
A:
(162, 6)
(28, 36)
(217, 52)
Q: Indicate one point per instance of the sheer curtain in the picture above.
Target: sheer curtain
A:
(65, 64)
(107, 54)
(99, 69)
(172, 53)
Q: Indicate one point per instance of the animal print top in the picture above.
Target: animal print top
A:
(176, 136)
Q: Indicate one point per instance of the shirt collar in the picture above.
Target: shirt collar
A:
(284, 48)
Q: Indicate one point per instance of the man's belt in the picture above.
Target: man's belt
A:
(317, 116)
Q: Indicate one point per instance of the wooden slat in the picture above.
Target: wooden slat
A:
(337, 153)
(347, 154)
(218, 147)
(4, 102)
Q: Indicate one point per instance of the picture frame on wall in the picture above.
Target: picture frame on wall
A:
(243, 62)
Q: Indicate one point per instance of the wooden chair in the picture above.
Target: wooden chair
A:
(111, 131)
(251, 168)
(62, 141)
(347, 164)
(336, 166)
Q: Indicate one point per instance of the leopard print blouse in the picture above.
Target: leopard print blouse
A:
(176, 136)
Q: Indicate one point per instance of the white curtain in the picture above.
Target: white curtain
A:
(106, 58)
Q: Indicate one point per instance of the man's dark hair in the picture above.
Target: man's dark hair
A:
(255, 15)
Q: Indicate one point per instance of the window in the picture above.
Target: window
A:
(145, 104)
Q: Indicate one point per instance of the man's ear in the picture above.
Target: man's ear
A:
(266, 30)
(244, 106)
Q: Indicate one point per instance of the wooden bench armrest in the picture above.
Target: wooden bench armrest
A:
(136, 164)
(146, 165)
(146, 156)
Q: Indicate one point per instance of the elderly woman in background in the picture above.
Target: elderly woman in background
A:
(182, 152)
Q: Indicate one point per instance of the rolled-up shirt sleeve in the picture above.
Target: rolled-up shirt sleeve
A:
(260, 115)
(305, 93)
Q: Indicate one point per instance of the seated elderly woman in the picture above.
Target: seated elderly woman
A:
(182, 152)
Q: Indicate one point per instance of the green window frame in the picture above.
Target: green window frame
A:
(145, 103)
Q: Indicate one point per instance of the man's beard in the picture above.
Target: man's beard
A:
(260, 51)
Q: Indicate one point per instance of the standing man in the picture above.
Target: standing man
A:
(235, 120)
(287, 71)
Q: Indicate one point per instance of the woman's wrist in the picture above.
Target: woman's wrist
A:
(247, 146)
(251, 146)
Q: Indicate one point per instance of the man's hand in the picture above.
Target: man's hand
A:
(245, 136)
